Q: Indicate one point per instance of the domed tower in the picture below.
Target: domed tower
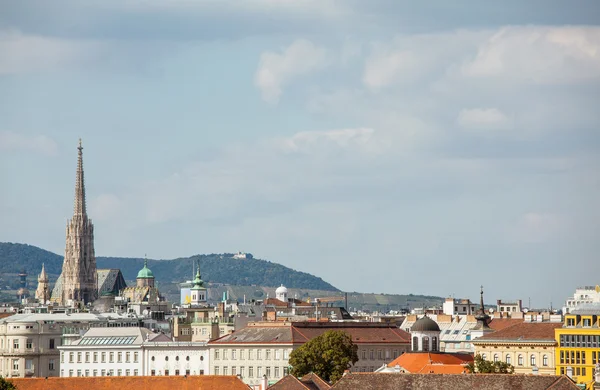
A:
(281, 293)
(425, 334)
(42, 292)
(145, 278)
(198, 291)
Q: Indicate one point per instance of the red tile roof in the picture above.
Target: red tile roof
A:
(201, 382)
(361, 332)
(307, 382)
(421, 362)
(501, 323)
(523, 331)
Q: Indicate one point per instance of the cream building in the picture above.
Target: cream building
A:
(175, 358)
(528, 346)
(29, 342)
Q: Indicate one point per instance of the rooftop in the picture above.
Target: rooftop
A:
(426, 362)
(523, 332)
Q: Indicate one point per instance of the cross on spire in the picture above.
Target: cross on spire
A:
(79, 206)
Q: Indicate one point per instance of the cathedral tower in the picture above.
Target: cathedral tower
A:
(79, 278)
(42, 293)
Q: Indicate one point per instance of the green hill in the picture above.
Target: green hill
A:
(216, 268)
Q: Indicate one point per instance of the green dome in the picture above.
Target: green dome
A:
(145, 272)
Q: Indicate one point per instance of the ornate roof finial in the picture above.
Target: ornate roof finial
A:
(145, 260)
(482, 318)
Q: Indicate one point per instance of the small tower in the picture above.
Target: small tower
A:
(41, 294)
(198, 291)
(281, 293)
(145, 278)
(482, 318)
(425, 334)
(22, 292)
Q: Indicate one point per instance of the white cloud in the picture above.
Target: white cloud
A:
(23, 53)
(350, 139)
(546, 55)
(275, 70)
(11, 141)
(482, 118)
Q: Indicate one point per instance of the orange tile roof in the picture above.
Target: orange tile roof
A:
(501, 323)
(416, 362)
(201, 382)
(523, 331)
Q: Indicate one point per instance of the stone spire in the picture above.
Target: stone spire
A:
(41, 293)
(482, 317)
(79, 206)
(78, 280)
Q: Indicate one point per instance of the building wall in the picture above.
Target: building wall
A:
(578, 347)
(176, 359)
(99, 361)
(520, 355)
(35, 351)
(373, 356)
(251, 361)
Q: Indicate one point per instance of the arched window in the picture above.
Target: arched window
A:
(425, 341)
(484, 356)
(532, 360)
(545, 361)
(177, 358)
(201, 358)
(166, 358)
(508, 360)
(496, 357)
(152, 358)
(415, 346)
(434, 344)
(520, 360)
(187, 358)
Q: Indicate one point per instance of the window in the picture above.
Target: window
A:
(371, 354)
(276, 372)
(268, 354)
(135, 372)
(364, 355)
(250, 354)
(216, 354)
(225, 370)
(87, 357)
(233, 370)
(570, 322)
(78, 357)
(127, 357)
(127, 372)
(508, 359)
(586, 322)
(532, 360)
(484, 356)
(166, 372)
(225, 355)
(103, 357)
(71, 357)
(95, 357)
(415, 343)
(176, 372)
(201, 357)
(268, 372)
(166, 358)
(216, 370)
(520, 360)
(16, 344)
(395, 354)
(62, 357)
(285, 371)
(233, 354)
(187, 358)
(259, 372)
(434, 344)
(51, 364)
(250, 372)
(135, 357)
(112, 357)
(187, 372)
(578, 357)
(87, 373)
(241, 354)
(70, 372)
(111, 372)
(496, 357)
(78, 372)
(259, 354)
(95, 373)
(277, 354)
(119, 357)
(545, 361)
(103, 373)
(425, 341)
(242, 371)
(379, 354)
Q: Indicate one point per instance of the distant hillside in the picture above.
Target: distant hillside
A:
(215, 268)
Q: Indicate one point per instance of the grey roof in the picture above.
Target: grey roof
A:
(425, 324)
(104, 336)
(587, 309)
(110, 281)
(258, 334)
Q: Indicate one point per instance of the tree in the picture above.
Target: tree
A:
(327, 355)
(6, 385)
(481, 366)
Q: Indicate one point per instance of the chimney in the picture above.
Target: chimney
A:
(264, 383)
(570, 372)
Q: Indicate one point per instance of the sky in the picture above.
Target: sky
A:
(385, 146)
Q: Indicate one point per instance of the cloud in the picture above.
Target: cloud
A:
(275, 70)
(482, 119)
(543, 55)
(33, 143)
(309, 141)
(23, 53)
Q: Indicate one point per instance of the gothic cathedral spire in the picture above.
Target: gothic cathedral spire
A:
(78, 281)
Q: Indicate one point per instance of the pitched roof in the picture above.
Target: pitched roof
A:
(523, 332)
(374, 381)
(361, 332)
(501, 323)
(307, 382)
(258, 335)
(199, 382)
(425, 362)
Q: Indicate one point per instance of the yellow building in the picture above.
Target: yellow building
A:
(578, 349)
(528, 346)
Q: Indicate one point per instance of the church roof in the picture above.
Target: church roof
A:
(145, 272)
(425, 324)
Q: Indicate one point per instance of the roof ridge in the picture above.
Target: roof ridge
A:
(298, 330)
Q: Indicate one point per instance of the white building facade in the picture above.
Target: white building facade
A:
(175, 358)
(583, 296)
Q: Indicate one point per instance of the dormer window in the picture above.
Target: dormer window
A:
(587, 323)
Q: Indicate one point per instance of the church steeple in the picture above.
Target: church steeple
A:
(482, 317)
(79, 206)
